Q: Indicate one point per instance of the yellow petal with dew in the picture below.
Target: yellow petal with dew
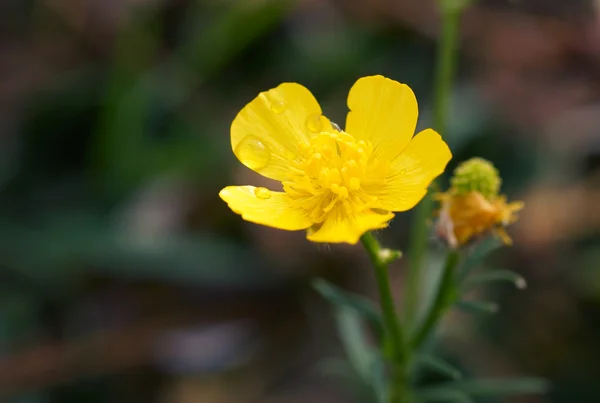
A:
(266, 133)
(340, 228)
(262, 206)
(383, 112)
(410, 174)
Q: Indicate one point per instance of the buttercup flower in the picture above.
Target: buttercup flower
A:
(472, 206)
(337, 184)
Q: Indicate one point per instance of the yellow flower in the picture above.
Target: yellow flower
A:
(472, 205)
(336, 184)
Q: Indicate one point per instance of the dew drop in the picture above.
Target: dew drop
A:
(314, 123)
(262, 193)
(253, 153)
(403, 171)
(278, 107)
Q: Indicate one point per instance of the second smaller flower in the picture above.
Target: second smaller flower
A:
(473, 207)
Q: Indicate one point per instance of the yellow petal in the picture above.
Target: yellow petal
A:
(338, 228)
(265, 134)
(384, 112)
(272, 209)
(410, 174)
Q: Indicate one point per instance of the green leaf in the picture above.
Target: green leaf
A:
(443, 395)
(359, 352)
(478, 307)
(479, 252)
(379, 380)
(364, 358)
(438, 365)
(496, 275)
(496, 387)
(347, 300)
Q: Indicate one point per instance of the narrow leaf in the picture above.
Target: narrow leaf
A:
(479, 252)
(364, 358)
(343, 372)
(499, 387)
(347, 300)
(438, 365)
(440, 394)
(478, 307)
(359, 352)
(379, 380)
(496, 275)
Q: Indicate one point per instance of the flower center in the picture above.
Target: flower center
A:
(333, 173)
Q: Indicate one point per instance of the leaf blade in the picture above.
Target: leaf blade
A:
(438, 394)
(499, 387)
(437, 364)
(480, 251)
(478, 307)
(496, 275)
(347, 300)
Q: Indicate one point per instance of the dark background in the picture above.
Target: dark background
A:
(123, 276)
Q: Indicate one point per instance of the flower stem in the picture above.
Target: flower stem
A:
(445, 68)
(393, 329)
(399, 389)
(443, 299)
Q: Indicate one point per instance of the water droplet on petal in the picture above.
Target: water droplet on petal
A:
(278, 107)
(403, 171)
(314, 123)
(253, 153)
(262, 193)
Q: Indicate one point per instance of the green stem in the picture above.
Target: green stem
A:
(393, 329)
(446, 67)
(443, 85)
(442, 301)
(399, 389)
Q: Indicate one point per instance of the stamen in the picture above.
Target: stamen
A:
(330, 206)
(329, 172)
(354, 183)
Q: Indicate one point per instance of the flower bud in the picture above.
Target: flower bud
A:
(476, 175)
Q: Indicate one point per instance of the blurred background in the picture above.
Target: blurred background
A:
(123, 276)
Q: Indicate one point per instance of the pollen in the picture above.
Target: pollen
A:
(330, 173)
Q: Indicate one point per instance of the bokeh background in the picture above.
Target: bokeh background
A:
(123, 276)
